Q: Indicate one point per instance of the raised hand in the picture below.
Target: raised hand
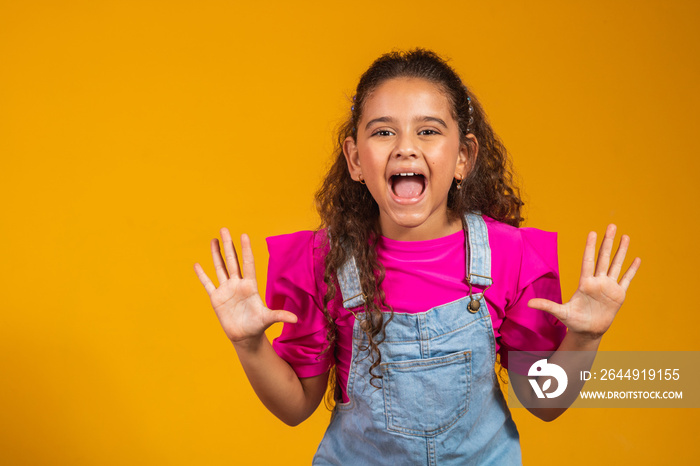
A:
(599, 296)
(237, 302)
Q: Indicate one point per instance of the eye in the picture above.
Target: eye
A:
(382, 132)
(427, 132)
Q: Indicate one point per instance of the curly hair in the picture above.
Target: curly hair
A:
(350, 214)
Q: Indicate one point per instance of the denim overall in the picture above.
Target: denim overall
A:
(439, 402)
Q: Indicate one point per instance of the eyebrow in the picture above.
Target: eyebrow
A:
(387, 119)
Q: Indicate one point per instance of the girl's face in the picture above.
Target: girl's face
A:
(408, 151)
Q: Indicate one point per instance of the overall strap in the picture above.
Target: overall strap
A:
(349, 280)
(478, 260)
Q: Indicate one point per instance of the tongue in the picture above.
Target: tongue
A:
(408, 186)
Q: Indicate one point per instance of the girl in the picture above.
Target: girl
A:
(417, 279)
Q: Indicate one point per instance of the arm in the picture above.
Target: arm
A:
(244, 318)
(574, 354)
(290, 398)
(587, 316)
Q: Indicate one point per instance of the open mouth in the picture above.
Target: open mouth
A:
(407, 185)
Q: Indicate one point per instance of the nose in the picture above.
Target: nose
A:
(406, 146)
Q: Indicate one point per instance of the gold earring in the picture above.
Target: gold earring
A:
(362, 180)
(459, 182)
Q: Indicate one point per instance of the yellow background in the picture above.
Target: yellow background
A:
(131, 131)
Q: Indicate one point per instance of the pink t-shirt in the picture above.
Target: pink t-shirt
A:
(419, 275)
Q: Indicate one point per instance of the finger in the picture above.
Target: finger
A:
(230, 253)
(247, 255)
(204, 279)
(550, 307)
(619, 258)
(605, 250)
(281, 316)
(629, 274)
(221, 272)
(588, 264)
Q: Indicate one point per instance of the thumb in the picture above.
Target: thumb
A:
(282, 316)
(555, 309)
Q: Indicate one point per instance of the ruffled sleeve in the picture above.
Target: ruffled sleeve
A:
(291, 286)
(524, 328)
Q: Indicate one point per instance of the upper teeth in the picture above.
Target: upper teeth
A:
(407, 174)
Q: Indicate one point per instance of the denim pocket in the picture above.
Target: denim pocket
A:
(425, 397)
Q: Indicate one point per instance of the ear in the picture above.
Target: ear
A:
(468, 152)
(352, 157)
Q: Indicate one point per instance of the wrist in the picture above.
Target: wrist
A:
(582, 341)
(251, 344)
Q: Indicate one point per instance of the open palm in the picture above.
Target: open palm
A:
(236, 301)
(599, 296)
